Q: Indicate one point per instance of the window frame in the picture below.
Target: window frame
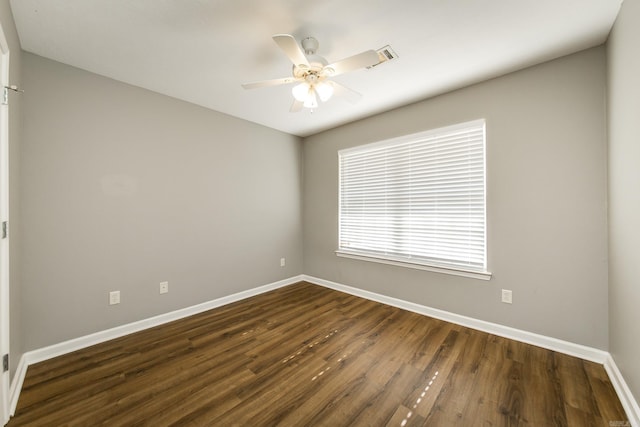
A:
(421, 264)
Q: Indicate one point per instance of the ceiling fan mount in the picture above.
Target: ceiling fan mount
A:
(310, 45)
(311, 71)
(317, 63)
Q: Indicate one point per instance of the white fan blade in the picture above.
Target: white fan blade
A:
(266, 83)
(349, 94)
(291, 48)
(361, 60)
(296, 106)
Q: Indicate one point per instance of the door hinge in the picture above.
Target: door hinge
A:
(5, 93)
(5, 363)
(5, 229)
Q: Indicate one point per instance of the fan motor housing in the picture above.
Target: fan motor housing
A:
(316, 65)
(316, 62)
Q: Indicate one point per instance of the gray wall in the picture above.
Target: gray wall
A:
(546, 201)
(624, 193)
(123, 188)
(15, 115)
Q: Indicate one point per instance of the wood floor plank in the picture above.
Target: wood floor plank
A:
(541, 375)
(196, 400)
(405, 417)
(308, 355)
(431, 389)
(577, 392)
(458, 377)
(602, 388)
(338, 392)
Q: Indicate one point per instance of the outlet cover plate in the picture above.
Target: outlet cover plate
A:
(164, 287)
(507, 296)
(114, 297)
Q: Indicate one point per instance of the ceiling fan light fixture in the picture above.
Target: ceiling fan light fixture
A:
(301, 91)
(324, 90)
(312, 72)
(311, 101)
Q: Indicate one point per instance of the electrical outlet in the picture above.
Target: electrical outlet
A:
(114, 297)
(164, 287)
(283, 262)
(507, 296)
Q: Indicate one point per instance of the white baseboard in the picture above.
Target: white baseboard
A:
(627, 399)
(581, 351)
(629, 403)
(16, 384)
(588, 353)
(69, 346)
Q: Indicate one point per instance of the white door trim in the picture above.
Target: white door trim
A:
(4, 216)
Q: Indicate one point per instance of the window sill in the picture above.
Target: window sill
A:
(436, 269)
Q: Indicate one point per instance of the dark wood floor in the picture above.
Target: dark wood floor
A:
(306, 355)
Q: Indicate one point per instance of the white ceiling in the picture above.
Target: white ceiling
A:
(201, 51)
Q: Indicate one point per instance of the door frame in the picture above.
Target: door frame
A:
(4, 216)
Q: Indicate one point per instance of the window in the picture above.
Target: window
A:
(417, 200)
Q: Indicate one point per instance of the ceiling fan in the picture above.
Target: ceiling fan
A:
(312, 72)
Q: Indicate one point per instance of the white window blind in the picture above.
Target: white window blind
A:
(418, 199)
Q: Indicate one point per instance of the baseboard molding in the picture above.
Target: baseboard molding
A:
(16, 384)
(629, 403)
(627, 399)
(42, 354)
(577, 350)
(595, 355)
